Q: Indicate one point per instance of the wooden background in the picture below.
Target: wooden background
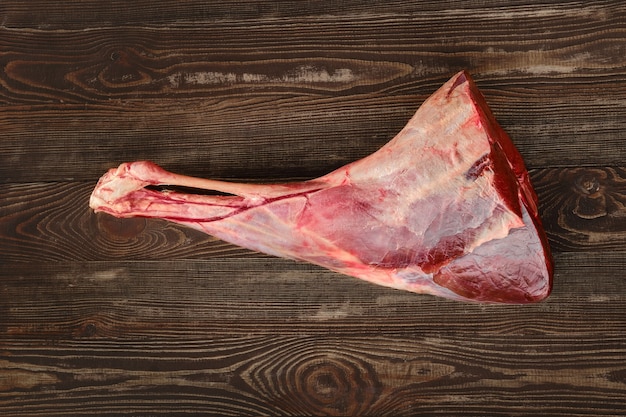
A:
(100, 316)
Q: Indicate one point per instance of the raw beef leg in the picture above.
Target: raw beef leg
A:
(445, 208)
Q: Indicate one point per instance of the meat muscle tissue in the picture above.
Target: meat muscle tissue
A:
(444, 208)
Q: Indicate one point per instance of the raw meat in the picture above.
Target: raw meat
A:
(444, 208)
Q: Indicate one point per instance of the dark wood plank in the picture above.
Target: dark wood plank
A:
(91, 13)
(322, 375)
(222, 139)
(274, 138)
(182, 298)
(100, 316)
(582, 209)
(112, 62)
(289, 339)
(288, 96)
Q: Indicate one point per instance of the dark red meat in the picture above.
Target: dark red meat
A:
(444, 208)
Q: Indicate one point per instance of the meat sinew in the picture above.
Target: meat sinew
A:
(445, 208)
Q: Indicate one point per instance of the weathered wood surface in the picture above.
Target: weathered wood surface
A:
(101, 316)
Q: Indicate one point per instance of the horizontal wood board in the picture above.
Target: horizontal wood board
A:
(102, 316)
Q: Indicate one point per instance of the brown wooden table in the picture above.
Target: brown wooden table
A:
(100, 316)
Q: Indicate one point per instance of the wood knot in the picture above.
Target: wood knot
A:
(90, 330)
(583, 208)
(587, 185)
(325, 384)
(335, 384)
(86, 329)
(123, 69)
(318, 380)
(591, 201)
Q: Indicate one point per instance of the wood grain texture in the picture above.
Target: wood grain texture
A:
(102, 316)
(301, 375)
(586, 207)
(214, 91)
(583, 209)
(205, 336)
(155, 299)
